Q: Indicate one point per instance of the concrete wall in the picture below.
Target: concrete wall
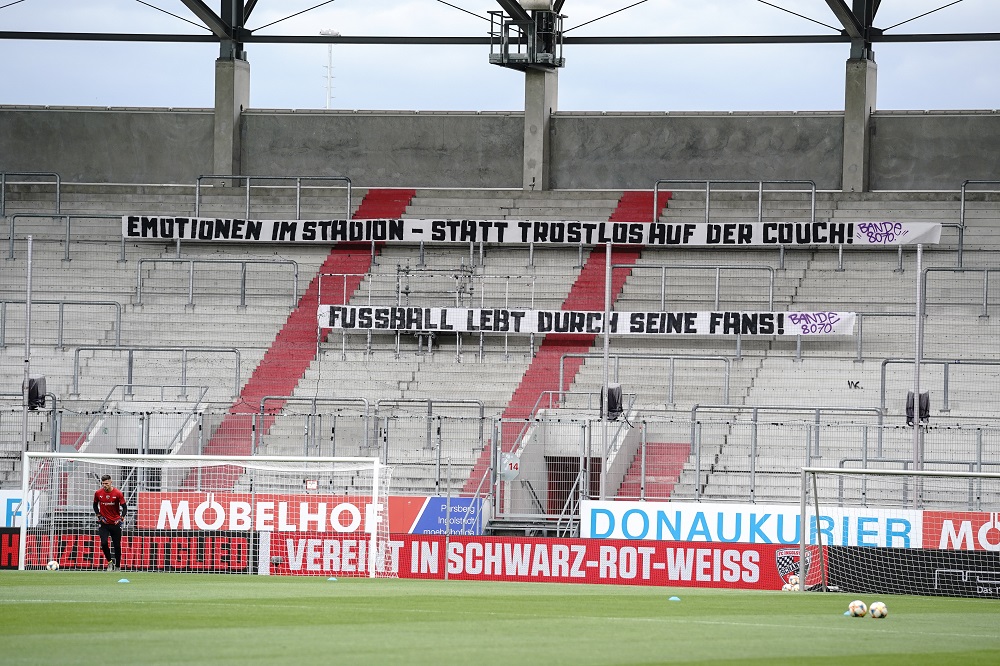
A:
(404, 149)
(933, 150)
(107, 145)
(634, 151)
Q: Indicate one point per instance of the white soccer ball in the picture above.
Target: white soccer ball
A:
(787, 587)
(52, 565)
(857, 608)
(793, 580)
(878, 609)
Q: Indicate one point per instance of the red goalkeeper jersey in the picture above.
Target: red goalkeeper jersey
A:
(110, 504)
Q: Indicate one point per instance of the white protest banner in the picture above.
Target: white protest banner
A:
(514, 232)
(505, 320)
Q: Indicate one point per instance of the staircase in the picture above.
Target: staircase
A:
(664, 462)
(587, 293)
(294, 347)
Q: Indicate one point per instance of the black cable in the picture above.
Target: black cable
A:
(462, 9)
(198, 25)
(799, 15)
(921, 16)
(605, 16)
(268, 25)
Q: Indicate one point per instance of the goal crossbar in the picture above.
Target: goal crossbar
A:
(283, 514)
(950, 515)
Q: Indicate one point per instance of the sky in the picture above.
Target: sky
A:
(805, 77)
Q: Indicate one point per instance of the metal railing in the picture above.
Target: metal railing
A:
(242, 263)
(673, 358)
(945, 362)
(941, 269)
(5, 180)
(718, 269)
(760, 193)
(183, 351)
(861, 327)
(813, 444)
(249, 180)
(314, 419)
(429, 444)
(962, 209)
(60, 326)
(192, 412)
(69, 224)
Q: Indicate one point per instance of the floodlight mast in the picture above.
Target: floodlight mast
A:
(329, 64)
(522, 40)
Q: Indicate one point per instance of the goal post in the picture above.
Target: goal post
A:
(215, 514)
(891, 531)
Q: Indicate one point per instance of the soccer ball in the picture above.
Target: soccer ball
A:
(793, 580)
(787, 587)
(857, 608)
(52, 565)
(879, 609)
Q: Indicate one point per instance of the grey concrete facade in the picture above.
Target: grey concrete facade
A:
(540, 102)
(909, 150)
(859, 104)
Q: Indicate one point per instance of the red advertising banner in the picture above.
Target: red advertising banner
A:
(202, 511)
(219, 552)
(962, 530)
(620, 562)
(261, 513)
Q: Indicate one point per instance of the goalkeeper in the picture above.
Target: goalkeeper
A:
(110, 507)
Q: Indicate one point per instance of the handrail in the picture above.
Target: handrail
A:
(314, 401)
(519, 440)
(653, 357)
(61, 304)
(944, 269)
(961, 210)
(3, 187)
(103, 409)
(183, 350)
(755, 410)
(718, 268)
(975, 471)
(861, 326)
(243, 274)
(249, 181)
(430, 412)
(946, 362)
(760, 193)
(69, 223)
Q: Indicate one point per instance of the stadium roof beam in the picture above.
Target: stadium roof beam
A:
(665, 40)
(211, 20)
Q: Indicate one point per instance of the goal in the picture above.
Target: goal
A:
(884, 531)
(215, 514)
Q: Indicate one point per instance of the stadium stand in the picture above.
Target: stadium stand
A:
(226, 338)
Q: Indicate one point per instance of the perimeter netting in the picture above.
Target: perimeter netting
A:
(217, 514)
(899, 532)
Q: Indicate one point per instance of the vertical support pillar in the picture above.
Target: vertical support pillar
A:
(540, 101)
(232, 97)
(859, 103)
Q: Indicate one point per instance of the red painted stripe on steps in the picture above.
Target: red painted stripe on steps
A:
(294, 347)
(587, 293)
(664, 463)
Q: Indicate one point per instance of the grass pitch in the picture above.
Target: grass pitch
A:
(75, 618)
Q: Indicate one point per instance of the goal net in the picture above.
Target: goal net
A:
(219, 514)
(901, 532)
